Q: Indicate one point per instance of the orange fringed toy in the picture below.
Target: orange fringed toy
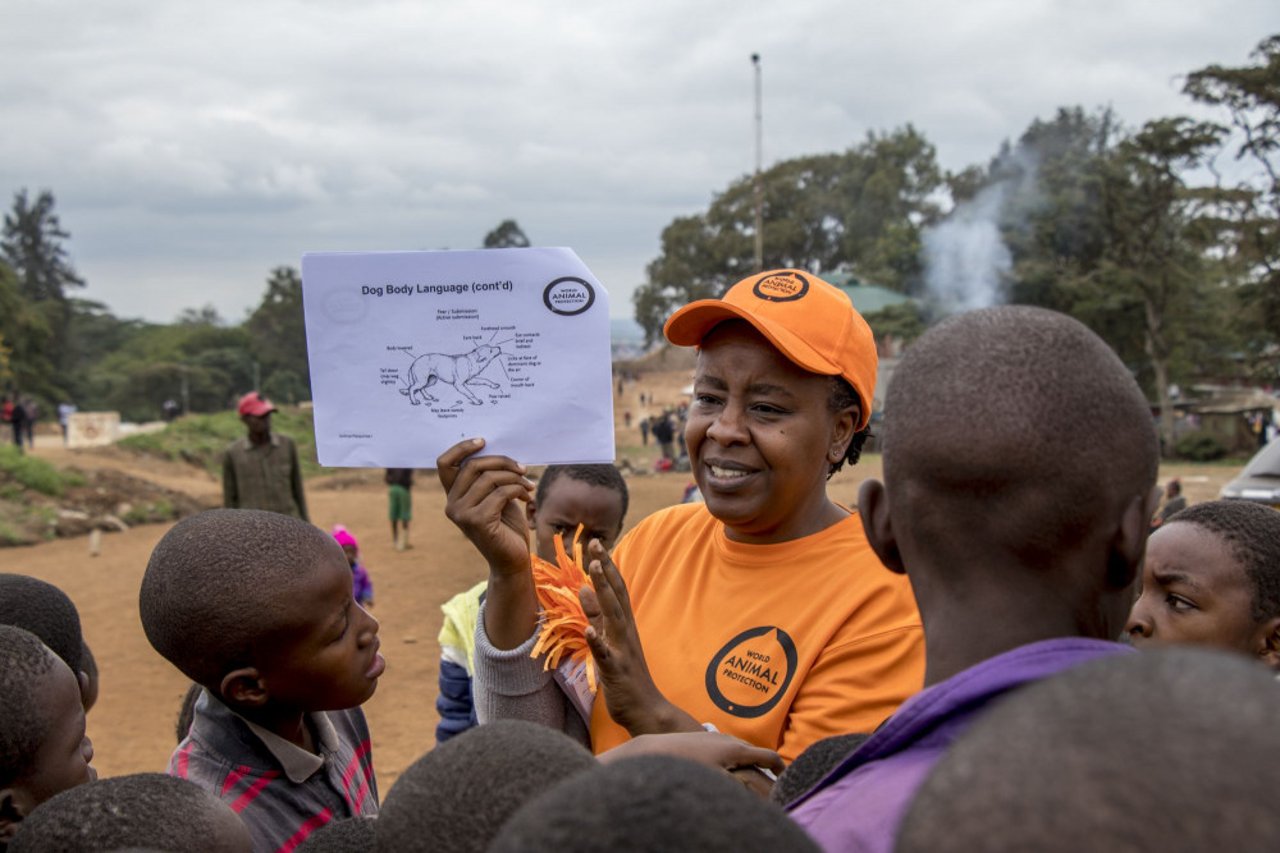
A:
(563, 623)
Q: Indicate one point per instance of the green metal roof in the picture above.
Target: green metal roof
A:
(867, 298)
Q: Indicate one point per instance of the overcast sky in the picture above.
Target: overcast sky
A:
(194, 146)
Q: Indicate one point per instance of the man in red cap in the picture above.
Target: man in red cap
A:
(261, 471)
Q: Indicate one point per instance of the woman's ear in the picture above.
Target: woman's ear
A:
(846, 422)
(243, 687)
(873, 506)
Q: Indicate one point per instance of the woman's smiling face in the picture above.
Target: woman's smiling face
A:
(761, 437)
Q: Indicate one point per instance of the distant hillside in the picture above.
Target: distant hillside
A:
(626, 338)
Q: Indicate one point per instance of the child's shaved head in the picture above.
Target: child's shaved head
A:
(45, 611)
(457, 796)
(214, 584)
(652, 802)
(1162, 750)
(1014, 428)
(147, 811)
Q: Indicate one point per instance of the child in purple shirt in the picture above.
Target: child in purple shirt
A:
(361, 585)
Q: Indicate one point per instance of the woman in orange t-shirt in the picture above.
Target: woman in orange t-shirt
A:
(763, 611)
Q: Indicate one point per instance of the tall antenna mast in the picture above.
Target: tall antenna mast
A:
(759, 188)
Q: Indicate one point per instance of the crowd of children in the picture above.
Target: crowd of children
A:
(1015, 543)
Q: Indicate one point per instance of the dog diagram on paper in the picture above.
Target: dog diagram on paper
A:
(459, 370)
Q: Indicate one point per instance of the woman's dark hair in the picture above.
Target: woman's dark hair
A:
(842, 397)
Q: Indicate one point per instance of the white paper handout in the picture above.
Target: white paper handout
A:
(411, 352)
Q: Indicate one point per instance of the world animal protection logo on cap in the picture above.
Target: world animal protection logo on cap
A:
(751, 672)
(781, 287)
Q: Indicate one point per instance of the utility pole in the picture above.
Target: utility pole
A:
(755, 61)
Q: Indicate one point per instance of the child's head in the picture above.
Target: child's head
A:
(653, 802)
(43, 748)
(47, 612)
(350, 545)
(594, 496)
(1019, 473)
(812, 765)
(1173, 488)
(256, 607)
(457, 796)
(342, 836)
(1212, 577)
(145, 811)
(1165, 750)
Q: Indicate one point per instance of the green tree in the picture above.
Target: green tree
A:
(863, 208)
(277, 330)
(1153, 255)
(506, 236)
(1248, 221)
(25, 339)
(1052, 219)
(93, 335)
(32, 244)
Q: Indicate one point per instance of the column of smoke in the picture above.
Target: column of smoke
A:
(966, 261)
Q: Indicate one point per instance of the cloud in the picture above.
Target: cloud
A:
(192, 147)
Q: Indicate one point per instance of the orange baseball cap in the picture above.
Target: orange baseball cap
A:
(811, 322)
(255, 404)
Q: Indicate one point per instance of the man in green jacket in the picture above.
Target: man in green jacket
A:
(261, 470)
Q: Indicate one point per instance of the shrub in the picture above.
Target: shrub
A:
(1199, 447)
(33, 473)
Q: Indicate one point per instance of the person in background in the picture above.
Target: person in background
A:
(361, 584)
(32, 410)
(400, 504)
(664, 432)
(261, 470)
(17, 420)
(1174, 502)
(65, 410)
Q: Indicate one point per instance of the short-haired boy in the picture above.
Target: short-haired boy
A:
(256, 607)
(1021, 534)
(142, 811)
(1212, 578)
(43, 748)
(594, 496)
(48, 612)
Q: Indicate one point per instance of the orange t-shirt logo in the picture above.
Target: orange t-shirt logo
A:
(750, 674)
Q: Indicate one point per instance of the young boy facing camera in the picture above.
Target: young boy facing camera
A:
(43, 748)
(1212, 578)
(257, 608)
